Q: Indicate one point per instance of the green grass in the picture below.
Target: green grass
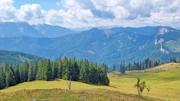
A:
(164, 82)
(73, 95)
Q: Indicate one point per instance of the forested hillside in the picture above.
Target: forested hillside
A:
(12, 57)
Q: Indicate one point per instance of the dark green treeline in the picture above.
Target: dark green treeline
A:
(142, 65)
(44, 69)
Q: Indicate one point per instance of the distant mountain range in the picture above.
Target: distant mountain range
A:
(105, 45)
(16, 57)
(9, 29)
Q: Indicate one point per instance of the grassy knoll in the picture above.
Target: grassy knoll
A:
(164, 84)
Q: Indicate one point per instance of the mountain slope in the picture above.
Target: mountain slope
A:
(110, 46)
(16, 57)
(19, 29)
(52, 31)
(8, 29)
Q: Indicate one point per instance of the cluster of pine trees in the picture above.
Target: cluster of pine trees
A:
(44, 69)
(175, 60)
(140, 65)
(145, 64)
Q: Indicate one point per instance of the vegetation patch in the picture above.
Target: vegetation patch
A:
(66, 95)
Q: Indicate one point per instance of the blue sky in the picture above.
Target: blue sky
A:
(45, 4)
(92, 13)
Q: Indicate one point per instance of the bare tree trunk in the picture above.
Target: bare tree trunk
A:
(139, 93)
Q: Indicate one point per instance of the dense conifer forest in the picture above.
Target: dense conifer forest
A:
(44, 69)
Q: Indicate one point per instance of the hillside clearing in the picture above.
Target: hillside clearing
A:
(165, 67)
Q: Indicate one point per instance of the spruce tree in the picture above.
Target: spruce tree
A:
(10, 78)
(2, 78)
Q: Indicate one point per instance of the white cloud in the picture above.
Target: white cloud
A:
(73, 18)
(125, 12)
(30, 13)
(7, 10)
(93, 13)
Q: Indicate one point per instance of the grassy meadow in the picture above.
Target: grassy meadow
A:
(163, 80)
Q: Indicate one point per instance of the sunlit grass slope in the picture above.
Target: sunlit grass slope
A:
(163, 80)
(164, 84)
